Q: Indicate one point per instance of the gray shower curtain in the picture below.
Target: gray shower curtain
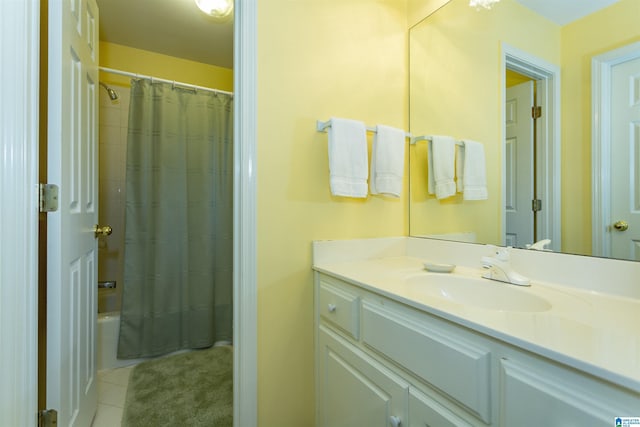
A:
(178, 251)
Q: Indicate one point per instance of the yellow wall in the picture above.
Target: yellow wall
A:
(513, 78)
(457, 90)
(593, 35)
(316, 59)
(417, 10)
(153, 64)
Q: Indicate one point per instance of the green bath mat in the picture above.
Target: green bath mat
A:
(188, 389)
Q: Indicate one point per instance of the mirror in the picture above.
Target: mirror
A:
(461, 62)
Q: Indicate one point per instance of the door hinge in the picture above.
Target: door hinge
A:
(48, 418)
(48, 197)
(536, 112)
(536, 205)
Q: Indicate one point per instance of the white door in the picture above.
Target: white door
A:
(625, 160)
(71, 246)
(519, 165)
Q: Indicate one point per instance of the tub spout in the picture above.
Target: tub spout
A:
(108, 284)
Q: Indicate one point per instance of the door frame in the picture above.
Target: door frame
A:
(245, 305)
(19, 55)
(601, 66)
(548, 154)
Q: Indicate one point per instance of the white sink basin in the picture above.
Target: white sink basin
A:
(477, 292)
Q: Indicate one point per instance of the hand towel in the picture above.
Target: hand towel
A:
(441, 171)
(474, 174)
(348, 160)
(387, 161)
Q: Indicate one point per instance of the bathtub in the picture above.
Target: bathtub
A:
(107, 342)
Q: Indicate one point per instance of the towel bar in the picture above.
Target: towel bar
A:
(428, 138)
(322, 127)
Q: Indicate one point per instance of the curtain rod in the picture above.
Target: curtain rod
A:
(156, 79)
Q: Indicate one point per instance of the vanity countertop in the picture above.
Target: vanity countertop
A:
(590, 331)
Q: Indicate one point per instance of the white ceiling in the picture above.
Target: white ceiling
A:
(170, 27)
(565, 11)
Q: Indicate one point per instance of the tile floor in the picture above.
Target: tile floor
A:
(112, 389)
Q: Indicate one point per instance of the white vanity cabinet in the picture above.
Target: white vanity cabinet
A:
(376, 366)
(383, 363)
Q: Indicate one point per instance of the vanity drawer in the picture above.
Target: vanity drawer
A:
(443, 358)
(339, 307)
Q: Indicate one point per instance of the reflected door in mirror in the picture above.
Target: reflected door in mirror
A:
(519, 171)
(625, 153)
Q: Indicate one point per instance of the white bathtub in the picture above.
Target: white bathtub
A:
(107, 344)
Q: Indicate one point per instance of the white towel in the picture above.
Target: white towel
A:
(441, 170)
(348, 160)
(387, 161)
(473, 179)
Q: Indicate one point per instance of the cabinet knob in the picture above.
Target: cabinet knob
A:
(331, 308)
(395, 421)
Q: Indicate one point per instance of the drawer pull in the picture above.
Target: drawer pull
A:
(332, 308)
(395, 421)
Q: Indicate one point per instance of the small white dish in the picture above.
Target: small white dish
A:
(439, 268)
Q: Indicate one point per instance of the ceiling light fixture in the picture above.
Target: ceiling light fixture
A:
(219, 9)
(482, 3)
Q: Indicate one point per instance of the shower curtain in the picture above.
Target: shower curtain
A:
(178, 251)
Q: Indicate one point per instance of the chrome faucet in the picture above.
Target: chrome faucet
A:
(498, 268)
(539, 245)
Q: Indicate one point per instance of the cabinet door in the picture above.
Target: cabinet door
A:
(426, 411)
(354, 389)
(535, 395)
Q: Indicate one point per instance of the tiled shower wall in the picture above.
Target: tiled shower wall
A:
(113, 148)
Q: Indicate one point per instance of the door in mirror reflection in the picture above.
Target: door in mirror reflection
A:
(519, 170)
(625, 152)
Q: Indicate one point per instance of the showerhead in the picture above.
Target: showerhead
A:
(113, 95)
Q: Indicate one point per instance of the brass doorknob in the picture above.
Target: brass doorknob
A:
(102, 231)
(621, 225)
